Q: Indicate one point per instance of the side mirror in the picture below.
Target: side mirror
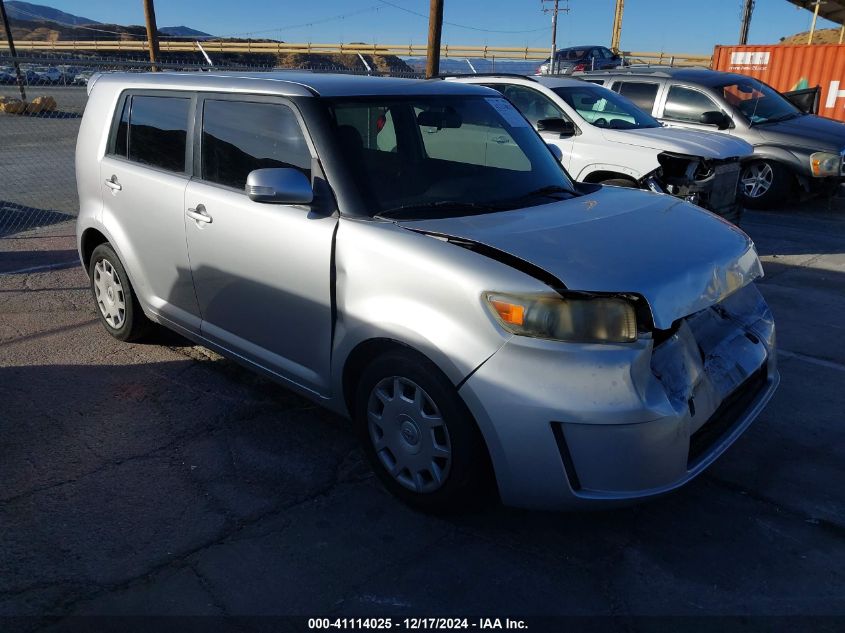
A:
(558, 126)
(556, 151)
(279, 185)
(719, 119)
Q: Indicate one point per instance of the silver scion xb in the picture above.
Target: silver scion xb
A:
(411, 254)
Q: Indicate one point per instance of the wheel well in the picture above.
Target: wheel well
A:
(358, 360)
(91, 239)
(599, 176)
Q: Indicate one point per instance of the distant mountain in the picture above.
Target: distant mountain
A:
(821, 36)
(32, 12)
(183, 31)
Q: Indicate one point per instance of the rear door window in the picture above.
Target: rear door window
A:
(241, 136)
(154, 130)
(641, 93)
(686, 104)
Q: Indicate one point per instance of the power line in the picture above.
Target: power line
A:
(460, 26)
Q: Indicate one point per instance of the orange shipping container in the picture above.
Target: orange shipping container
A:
(792, 67)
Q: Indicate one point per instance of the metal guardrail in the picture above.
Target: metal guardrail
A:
(279, 48)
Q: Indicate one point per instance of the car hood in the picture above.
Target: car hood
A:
(809, 130)
(689, 142)
(680, 258)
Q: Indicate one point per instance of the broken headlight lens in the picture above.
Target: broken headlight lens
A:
(575, 319)
(825, 164)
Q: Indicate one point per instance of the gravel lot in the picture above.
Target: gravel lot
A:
(161, 479)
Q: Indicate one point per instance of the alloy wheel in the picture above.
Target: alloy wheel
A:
(757, 179)
(409, 434)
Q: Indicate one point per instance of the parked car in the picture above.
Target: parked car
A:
(578, 59)
(47, 74)
(82, 78)
(605, 138)
(7, 75)
(410, 254)
(793, 150)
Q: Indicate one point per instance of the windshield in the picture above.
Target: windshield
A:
(604, 108)
(758, 103)
(436, 156)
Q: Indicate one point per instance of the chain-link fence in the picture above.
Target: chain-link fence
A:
(38, 129)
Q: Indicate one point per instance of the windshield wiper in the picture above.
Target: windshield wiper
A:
(778, 119)
(543, 192)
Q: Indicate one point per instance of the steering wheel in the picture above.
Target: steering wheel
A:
(600, 122)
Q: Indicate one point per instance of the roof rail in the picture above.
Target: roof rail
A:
(448, 75)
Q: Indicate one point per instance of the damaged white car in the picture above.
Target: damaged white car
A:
(604, 138)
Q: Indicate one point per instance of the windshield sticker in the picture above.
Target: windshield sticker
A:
(508, 112)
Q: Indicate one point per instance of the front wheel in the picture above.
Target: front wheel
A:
(419, 436)
(764, 184)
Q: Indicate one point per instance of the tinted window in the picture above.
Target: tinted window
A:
(642, 94)
(238, 137)
(684, 104)
(158, 130)
(533, 105)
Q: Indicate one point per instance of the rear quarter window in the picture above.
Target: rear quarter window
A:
(153, 131)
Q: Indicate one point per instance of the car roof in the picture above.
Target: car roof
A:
(702, 76)
(559, 82)
(287, 83)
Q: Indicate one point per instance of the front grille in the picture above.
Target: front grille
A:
(726, 416)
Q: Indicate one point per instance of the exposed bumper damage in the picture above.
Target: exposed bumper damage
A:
(709, 183)
(611, 423)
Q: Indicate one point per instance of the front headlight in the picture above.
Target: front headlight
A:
(579, 319)
(825, 164)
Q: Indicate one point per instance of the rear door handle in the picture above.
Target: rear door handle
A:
(112, 184)
(199, 214)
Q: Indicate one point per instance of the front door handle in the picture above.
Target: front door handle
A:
(199, 214)
(112, 184)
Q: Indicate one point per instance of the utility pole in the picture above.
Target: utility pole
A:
(152, 32)
(747, 10)
(817, 4)
(11, 41)
(435, 30)
(616, 36)
(554, 11)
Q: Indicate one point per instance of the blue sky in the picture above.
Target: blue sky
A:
(685, 26)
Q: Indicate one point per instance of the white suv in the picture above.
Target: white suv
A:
(605, 138)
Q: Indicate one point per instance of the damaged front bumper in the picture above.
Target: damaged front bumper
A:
(571, 425)
(710, 184)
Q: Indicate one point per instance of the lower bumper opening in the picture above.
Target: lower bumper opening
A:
(726, 416)
(566, 456)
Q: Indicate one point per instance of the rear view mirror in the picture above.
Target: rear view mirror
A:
(280, 185)
(558, 126)
(446, 118)
(719, 119)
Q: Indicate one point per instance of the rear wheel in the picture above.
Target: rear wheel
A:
(419, 436)
(764, 184)
(117, 305)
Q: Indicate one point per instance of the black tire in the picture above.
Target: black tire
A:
(619, 182)
(134, 324)
(778, 192)
(468, 482)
